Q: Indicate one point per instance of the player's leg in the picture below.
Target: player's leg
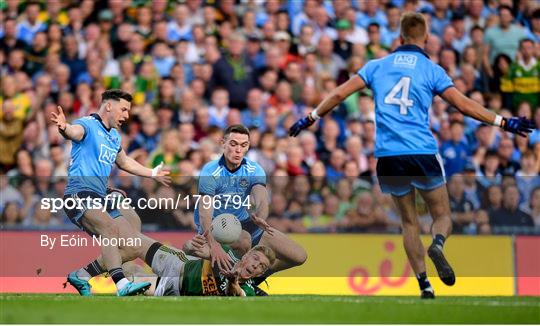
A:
(242, 245)
(100, 223)
(288, 253)
(439, 208)
(79, 278)
(411, 240)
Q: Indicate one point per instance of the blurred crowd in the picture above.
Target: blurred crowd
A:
(196, 66)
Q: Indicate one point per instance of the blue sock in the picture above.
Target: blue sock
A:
(438, 240)
(423, 281)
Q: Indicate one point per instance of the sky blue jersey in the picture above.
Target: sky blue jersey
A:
(229, 190)
(404, 84)
(93, 157)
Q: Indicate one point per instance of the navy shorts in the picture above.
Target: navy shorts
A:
(398, 175)
(76, 213)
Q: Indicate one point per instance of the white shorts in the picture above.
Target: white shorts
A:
(170, 269)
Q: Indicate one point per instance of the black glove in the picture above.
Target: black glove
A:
(521, 126)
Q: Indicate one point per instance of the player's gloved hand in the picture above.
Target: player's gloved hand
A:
(161, 175)
(521, 126)
(262, 224)
(301, 124)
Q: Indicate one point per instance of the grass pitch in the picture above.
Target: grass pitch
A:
(73, 309)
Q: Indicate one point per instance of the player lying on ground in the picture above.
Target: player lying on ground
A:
(235, 175)
(180, 274)
(96, 147)
(404, 84)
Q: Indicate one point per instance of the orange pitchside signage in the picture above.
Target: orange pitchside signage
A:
(344, 264)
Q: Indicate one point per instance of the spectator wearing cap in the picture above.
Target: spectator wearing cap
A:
(504, 38)
(510, 214)
(282, 40)
(342, 47)
(254, 52)
(233, 72)
(455, 151)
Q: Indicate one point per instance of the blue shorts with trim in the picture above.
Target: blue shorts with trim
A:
(398, 175)
(248, 226)
(75, 214)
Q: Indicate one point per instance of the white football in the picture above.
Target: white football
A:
(226, 228)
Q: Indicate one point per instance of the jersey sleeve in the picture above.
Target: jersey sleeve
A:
(441, 81)
(366, 73)
(207, 182)
(85, 123)
(258, 177)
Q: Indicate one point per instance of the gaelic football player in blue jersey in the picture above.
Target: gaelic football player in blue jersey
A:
(236, 185)
(404, 84)
(96, 146)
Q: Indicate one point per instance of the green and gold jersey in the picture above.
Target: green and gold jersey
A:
(526, 83)
(201, 279)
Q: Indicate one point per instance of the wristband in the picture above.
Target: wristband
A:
(313, 115)
(156, 170)
(498, 121)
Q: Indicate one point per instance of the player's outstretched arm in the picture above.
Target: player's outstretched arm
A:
(128, 164)
(521, 126)
(337, 96)
(68, 131)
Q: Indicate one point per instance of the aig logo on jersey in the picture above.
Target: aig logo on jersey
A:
(107, 155)
(405, 60)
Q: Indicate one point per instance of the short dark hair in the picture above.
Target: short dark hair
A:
(116, 95)
(237, 129)
(525, 40)
(503, 7)
(413, 26)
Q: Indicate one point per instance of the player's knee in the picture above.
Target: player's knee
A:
(110, 230)
(302, 256)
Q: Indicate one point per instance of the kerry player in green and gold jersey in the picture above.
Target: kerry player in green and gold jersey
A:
(181, 274)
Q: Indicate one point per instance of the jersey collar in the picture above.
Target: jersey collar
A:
(411, 48)
(222, 163)
(98, 118)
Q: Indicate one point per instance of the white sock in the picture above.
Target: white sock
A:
(123, 282)
(83, 274)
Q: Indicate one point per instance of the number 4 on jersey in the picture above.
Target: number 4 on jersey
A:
(404, 102)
